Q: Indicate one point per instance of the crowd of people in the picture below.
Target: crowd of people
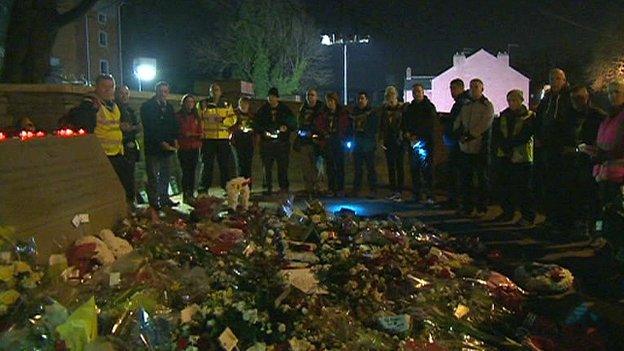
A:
(565, 159)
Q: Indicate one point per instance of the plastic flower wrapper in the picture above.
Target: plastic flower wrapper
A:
(205, 207)
(81, 327)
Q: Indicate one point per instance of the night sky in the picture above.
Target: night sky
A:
(421, 34)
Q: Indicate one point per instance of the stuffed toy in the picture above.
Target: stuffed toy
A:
(238, 190)
(102, 253)
(118, 246)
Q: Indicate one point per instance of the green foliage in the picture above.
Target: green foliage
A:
(271, 43)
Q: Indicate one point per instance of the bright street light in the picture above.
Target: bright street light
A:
(144, 70)
(333, 39)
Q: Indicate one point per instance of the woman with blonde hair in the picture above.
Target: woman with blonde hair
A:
(390, 135)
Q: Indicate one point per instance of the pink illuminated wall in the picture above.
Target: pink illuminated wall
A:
(497, 76)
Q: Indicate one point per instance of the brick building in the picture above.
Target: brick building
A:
(88, 46)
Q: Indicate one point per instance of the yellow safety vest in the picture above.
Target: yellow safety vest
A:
(521, 153)
(108, 130)
(216, 122)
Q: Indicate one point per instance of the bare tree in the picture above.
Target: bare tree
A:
(271, 43)
(32, 30)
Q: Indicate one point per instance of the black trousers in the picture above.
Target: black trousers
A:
(586, 192)
(222, 151)
(613, 220)
(421, 169)
(335, 160)
(125, 175)
(394, 159)
(188, 164)
(514, 188)
(360, 159)
(132, 156)
(275, 152)
(453, 166)
(244, 156)
(473, 181)
(559, 187)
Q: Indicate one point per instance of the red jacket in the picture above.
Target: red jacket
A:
(189, 124)
(340, 126)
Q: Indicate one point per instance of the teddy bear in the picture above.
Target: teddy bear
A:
(238, 191)
(118, 246)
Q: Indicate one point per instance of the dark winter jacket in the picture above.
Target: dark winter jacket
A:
(451, 139)
(365, 126)
(268, 121)
(419, 119)
(555, 121)
(334, 125)
(159, 125)
(306, 121)
(588, 122)
(390, 123)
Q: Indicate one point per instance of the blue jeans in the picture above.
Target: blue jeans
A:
(158, 168)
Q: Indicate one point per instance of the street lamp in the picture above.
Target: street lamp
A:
(330, 40)
(144, 70)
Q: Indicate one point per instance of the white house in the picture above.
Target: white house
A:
(497, 76)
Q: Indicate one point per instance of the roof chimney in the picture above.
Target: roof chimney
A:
(503, 58)
(408, 73)
(458, 59)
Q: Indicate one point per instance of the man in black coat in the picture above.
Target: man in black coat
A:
(588, 119)
(274, 123)
(418, 122)
(160, 133)
(450, 139)
(555, 152)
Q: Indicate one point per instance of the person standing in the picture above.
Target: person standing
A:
(608, 153)
(450, 139)
(217, 117)
(160, 131)
(391, 115)
(274, 122)
(418, 122)
(512, 140)
(307, 142)
(243, 138)
(189, 141)
(471, 125)
(555, 141)
(99, 114)
(130, 127)
(334, 127)
(586, 194)
(365, 125)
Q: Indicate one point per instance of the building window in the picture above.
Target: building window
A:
(102, 18)
(104, 67)
(103, 38)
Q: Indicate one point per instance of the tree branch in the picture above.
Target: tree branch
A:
(78, 10)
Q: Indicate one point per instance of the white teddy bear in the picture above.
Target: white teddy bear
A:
(103, 254)
(118, 246)
(238, 190)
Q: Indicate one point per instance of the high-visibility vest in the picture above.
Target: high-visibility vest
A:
(216, 122)
(521, 153)
(108, 130)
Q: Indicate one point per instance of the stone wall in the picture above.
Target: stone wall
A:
(45, 104)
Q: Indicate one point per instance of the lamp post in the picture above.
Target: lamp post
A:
(144, 70)
(332, 39)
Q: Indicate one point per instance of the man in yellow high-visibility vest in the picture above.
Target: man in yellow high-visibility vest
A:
(99, 114)
(217, 117)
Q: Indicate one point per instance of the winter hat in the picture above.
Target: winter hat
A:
(273, 92)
